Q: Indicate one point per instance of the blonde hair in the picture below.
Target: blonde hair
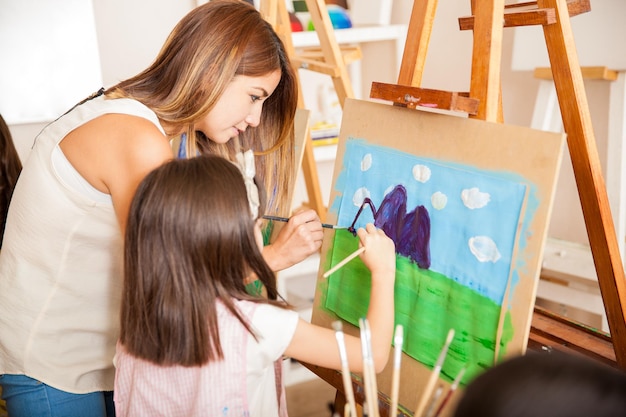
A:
(207, 48)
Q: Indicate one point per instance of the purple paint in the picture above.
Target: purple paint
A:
(410, 232)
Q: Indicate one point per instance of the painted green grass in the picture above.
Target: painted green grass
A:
(427, 304)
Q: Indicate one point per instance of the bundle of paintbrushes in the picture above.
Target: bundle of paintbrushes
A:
(431, 402)
(369, 371)
(434, 377)
(345, 371)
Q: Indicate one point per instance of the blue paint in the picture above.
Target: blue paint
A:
(452, 226)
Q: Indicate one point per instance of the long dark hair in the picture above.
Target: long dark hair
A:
(189, 243)
(10, 168)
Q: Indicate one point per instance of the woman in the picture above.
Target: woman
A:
(10, 167)
(223, 79)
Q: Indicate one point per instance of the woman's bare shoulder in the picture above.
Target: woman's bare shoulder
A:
(115, 145)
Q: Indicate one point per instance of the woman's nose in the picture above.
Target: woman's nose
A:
(254, 118)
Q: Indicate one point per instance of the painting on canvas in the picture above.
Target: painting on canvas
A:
(467, 204)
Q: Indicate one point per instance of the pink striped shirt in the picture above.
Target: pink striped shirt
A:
(241, 385)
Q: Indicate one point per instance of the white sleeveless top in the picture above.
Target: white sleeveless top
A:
(61, 268)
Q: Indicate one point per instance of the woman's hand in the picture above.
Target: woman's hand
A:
(298, 239)
(380, 253)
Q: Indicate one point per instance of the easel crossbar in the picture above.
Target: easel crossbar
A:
(528, 14)
(412, 97)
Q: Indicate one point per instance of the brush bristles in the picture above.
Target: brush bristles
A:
(450, 336)
(398, 338)
(337, 326)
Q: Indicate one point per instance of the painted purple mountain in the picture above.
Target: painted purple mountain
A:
(409, 231)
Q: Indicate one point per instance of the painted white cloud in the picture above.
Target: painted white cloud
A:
(439, 200)
(484, 249)
(421, 173)
(366, 162)
(473, 198)
(359, 196)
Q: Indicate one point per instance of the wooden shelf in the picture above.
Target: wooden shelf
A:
(354, 35)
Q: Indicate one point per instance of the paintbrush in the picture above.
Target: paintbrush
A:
(434, 376)
(398, 340)
(369, 373)
(286, 219)
(344, 261)
(345, 369)
(433, 402)
(370, 353)
(373, 384)
(453, 388)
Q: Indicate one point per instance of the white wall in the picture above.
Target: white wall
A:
(50, 68)
(130, 34)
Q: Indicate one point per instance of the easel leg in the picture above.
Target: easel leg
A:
(485, 80)
(569, 85)
(340, 405)
(416, 46)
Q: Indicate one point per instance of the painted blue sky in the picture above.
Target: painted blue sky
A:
(474, 213)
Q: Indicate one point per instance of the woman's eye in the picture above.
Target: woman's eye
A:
(255, 98)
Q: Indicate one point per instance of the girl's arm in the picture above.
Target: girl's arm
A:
(318, 346)
(298, 239)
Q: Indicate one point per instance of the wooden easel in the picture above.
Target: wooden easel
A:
(554, 16)
(328, 59)
(484, 102)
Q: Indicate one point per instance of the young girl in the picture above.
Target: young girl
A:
(193, 341)
(222, 79)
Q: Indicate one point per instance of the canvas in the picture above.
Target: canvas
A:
(467, 204)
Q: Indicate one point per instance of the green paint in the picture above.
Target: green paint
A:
(427, 304)
(267, 232)
(255, 288)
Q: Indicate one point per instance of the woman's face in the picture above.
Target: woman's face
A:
(239, 107)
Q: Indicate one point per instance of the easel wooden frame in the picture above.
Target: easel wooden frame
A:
(554, 15)
(328, 59)
(484, 102)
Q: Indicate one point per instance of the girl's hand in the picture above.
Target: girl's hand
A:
(380, 252)
(317, 345)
